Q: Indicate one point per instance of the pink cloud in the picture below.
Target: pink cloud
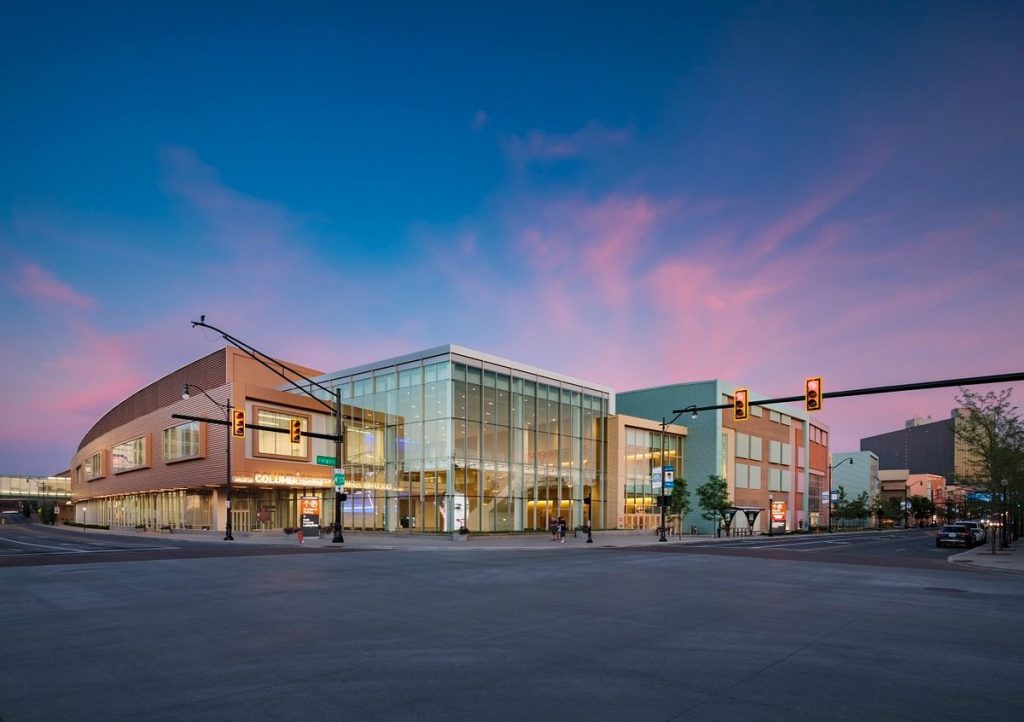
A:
(61, 396)
(839, 189)
(595, 244)
(39, 284)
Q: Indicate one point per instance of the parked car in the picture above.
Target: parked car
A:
(955, 534)
(980, 534)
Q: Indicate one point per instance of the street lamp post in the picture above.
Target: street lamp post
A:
(830, 470)
(663, 501)
(588, 500)
(227, 427)
(906, 507)
(771, 512)
(338, 537)
(1005, 540)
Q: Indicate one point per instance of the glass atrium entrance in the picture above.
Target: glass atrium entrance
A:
(445, 441)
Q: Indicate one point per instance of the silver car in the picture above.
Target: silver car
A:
(980, 535)
(956, 534)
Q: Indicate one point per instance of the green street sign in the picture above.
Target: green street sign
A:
(326, 461)
(339, 477)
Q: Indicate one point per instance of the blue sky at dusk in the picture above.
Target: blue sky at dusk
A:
(630, 193)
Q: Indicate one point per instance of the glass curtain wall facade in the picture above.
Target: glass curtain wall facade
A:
(441, 443)
(642, 457)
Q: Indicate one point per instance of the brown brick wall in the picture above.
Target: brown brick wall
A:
(148, 413)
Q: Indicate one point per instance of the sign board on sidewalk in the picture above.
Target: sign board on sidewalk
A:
(778, 516)
(309, 515)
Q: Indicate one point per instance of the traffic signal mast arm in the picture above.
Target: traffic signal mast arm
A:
(948, 383)
(270, 362)
(256, 427)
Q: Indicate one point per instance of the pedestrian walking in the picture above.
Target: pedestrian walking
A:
(561, 530)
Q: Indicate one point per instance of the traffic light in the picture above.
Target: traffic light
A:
(813, 393)
(740, 404)
(296, 430)
(238, 422)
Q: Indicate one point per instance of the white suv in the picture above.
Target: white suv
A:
(977, 529)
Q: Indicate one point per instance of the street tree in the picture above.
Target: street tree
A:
(679, 502)
(860, 508)
(892, 509)
(921, 507)
(713, 498)
(841, 506)
(990, 428)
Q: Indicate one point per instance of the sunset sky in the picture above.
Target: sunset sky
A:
(631, 193)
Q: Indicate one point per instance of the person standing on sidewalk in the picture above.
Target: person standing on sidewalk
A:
(561, 530)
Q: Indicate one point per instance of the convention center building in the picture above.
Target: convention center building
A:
(436, 441)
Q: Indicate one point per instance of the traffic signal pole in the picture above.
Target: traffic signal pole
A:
(947, 383)
(279, 368)
(871, 390)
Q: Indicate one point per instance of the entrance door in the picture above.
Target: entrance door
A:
(240, 520)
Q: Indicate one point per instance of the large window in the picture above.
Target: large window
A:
(129, 455)
(181, 442)
(279, 443)
(642, 456)
(92, 468)
(520, 452)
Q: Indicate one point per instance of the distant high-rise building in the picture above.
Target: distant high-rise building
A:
(923, 447)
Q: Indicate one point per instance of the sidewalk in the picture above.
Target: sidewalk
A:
(1010, 559)
(423, 541)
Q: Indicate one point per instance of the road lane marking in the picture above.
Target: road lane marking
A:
(41, 546)
(73, 550)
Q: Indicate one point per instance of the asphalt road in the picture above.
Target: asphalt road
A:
(576, 633)
(36, 544)
(914, 548)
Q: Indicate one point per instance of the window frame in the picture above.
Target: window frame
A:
(147, 452)
(200, 442)
(307, 420)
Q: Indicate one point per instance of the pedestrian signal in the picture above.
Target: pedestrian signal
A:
(238, 422)
(813, 393)
(296, 430)
(740, 404)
